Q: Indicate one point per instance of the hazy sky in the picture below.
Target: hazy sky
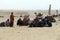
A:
(29, 4)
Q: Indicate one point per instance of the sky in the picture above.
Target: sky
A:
(29, 4)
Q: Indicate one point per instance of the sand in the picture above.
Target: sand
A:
(26, 33)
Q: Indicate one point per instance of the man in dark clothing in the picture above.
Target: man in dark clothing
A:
(19, 22)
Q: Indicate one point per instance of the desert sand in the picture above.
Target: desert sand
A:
(26, 33)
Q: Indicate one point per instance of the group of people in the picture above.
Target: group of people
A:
(38, 21)
(8, 22)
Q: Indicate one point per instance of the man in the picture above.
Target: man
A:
(11, 19)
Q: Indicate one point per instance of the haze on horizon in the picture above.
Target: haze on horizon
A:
(29, 4)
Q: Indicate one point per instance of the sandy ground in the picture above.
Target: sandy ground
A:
(26, 33)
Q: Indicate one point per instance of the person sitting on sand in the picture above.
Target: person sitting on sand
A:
(47, 22)
(7, 23)
(11, 19)
(19, 22)
(2, 24)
